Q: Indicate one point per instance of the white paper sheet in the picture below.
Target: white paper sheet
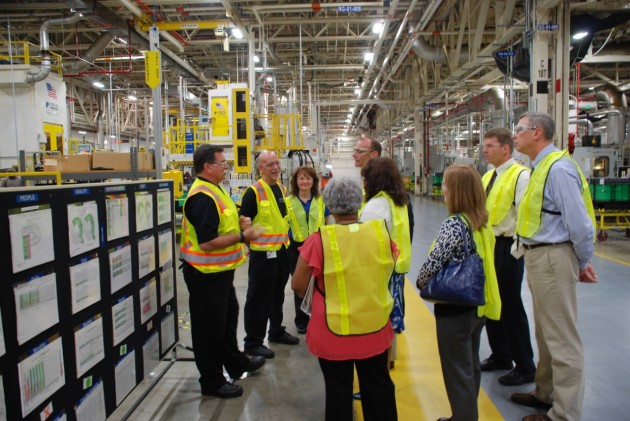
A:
(31, 237)
(41, 374)
(164, 203)
(165, 243)
(117, 206)
(125, 374)
(35, 306)
(120, 267)
(91, 407)
(151, 355)
(85, 285)
(167, 332)
(144, 211)
(148, 301)
(3, 406)
(167, 285)
(3, 349)
(83, 227)
(88, 345)
(122, 319)
(146, 256)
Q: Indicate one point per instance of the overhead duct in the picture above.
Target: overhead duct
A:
(612, 97)
(44, 46)
(431, 53)
(88, 57)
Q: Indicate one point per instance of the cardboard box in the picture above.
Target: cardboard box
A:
(146, 161)
(67, 163)
(117, 161)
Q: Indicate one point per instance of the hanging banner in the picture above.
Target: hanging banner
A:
(152, 69)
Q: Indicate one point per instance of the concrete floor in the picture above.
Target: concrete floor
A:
(290, 386)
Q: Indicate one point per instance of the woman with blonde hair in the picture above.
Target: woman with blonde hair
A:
(459, 327)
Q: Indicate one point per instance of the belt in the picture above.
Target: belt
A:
(535, 246)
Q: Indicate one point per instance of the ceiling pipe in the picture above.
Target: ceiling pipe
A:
(583, 121)
(90, 55)
(44, 48)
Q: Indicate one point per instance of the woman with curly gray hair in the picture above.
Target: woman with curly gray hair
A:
(351, 263)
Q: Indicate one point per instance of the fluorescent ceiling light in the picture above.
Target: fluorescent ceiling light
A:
(132, 98)
(238, 34)
(437, 113)
(269, 78)
(98, 85)
(377, 28)
(357, 91)
(256, 59)
(82, 132)
(580, 35)
(369, 56)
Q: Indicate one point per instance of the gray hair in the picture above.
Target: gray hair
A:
(343, 195)
(542, 121)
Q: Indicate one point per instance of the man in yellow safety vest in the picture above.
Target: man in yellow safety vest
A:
(211, 249)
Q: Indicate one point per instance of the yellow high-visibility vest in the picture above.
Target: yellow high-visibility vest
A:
(503, 193)
(276, 226)
(300, 228)
(400, 232)
(530, 210)
(357, 296)
(213, 261)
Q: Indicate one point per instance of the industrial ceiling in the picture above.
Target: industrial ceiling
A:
(314, 52)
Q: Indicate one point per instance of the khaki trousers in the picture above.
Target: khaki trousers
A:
(552, 274)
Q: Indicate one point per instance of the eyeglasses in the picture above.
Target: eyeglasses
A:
(360, 151)
(222, 163)
(519, 129)
(272, 164)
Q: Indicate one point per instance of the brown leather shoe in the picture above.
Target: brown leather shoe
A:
(528, 399)
(537, 417)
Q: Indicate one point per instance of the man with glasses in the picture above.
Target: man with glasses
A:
(555, 223)
(211, 249)
(265, 203)
(508, 337)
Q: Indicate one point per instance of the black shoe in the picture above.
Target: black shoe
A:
(284, 338)
(252, 365)
(528, 399)
(227, 391)
(301, 329)
(516, 378)
(491, 364)
(260, 351)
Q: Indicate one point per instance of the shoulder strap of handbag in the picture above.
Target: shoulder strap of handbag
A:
(467, 224)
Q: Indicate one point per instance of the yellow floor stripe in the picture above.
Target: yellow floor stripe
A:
(420, 392)
(612, 259)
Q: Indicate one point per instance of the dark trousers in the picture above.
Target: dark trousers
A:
(458, 339)
(265, 295)
(509, 337)
(213, 318)
(378, 397)
(301, 318)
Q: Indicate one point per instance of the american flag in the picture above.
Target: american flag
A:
(52, 93)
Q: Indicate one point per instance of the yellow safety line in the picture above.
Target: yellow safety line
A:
(420, 392)
(612, 259)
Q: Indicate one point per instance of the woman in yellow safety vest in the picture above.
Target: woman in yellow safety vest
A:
(309, 213)
(351, 264)
(459, 327)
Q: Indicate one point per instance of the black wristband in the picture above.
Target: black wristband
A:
(242, 237)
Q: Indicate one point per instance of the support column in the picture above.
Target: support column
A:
(154, 45)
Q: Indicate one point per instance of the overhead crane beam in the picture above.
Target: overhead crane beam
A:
(147, 23)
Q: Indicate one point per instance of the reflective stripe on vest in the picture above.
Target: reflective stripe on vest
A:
(355, 306)
(503, 193)
(530, 210)
(270, 218)
(221, 260)
(301, 227)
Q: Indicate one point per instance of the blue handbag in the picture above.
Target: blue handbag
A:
(458, 283)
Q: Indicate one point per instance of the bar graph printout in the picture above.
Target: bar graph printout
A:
(89, 345)
(117, 206)
(31, 237)
(120, 267)
(163, 206)
(165, 244)
(91, 407)
(41, 374)
(85, 283)
(146, 256)
(167, 285)
(148, 301)
(122, 319)
(144, 211)
(82, 227)
(35, 306)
